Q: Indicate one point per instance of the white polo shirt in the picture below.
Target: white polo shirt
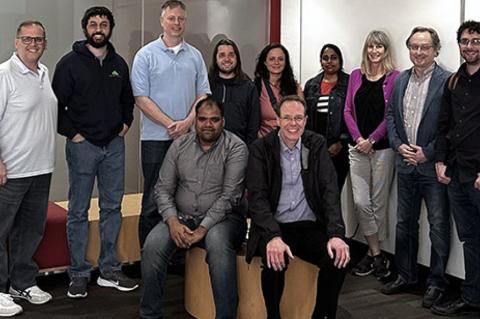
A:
(28, 119)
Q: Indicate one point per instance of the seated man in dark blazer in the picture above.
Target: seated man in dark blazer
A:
(295, 207)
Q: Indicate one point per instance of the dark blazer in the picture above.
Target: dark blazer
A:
(264, 183)
(427, 130)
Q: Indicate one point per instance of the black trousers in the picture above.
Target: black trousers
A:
(309, 242)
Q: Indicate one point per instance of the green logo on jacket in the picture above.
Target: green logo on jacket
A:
(115, 74)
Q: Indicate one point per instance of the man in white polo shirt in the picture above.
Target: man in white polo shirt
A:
(28, 120)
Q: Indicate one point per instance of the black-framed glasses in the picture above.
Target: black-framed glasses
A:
(28, 40)
(466, 42)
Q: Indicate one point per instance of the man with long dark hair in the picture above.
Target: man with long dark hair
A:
(234, 89)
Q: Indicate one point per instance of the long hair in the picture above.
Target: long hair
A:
(214, 70)
(378, 38)
(288, 85)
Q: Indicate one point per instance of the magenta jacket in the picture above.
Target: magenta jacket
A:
(349, 112)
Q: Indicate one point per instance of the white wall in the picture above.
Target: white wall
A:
(308, 24)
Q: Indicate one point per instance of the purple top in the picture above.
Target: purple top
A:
(354, 83)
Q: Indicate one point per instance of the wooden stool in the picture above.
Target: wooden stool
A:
(298, 298)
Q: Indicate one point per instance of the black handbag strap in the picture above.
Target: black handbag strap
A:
(273, 100)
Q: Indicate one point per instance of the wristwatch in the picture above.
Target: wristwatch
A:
(371, 140)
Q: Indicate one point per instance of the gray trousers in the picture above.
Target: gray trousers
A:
(23, 213)
(372, 177)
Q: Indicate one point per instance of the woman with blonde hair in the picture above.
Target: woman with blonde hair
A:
(371, 159)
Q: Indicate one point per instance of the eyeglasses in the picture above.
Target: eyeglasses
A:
(174, 19)
(297, 118)
(422, 48)
(28, 40)
(466, 42)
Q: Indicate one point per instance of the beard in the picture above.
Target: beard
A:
(95, 43)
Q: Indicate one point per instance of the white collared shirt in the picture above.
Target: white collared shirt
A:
(28, 119)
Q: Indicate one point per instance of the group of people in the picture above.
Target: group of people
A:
(284, 150)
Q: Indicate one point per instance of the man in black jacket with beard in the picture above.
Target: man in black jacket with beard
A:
(232, 88)
(95, 111)
(295, 207)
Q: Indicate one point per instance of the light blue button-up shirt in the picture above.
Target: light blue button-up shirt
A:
(292, 205)
(171, 80)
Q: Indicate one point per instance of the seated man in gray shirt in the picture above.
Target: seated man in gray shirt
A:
(200, 184)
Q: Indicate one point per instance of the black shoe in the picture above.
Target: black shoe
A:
(364, 267)
(455, 307)
(381, 266)
(78, 287)
(432, 297)
(116, 279)
(396, 286)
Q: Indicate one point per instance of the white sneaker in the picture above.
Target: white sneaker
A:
(33, 294)
(8, 308)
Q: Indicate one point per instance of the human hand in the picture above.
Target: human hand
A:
(3, 173)
(364, 146)
(440, 168)
(276, 249)
(339, 250)
(78, 138)
(124, 130)
(178, 128)
(179, 232)
(335, 148)
(197, 235)
(477, 182)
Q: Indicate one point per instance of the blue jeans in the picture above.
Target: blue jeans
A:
(153, 153)
(86, 162)
(465, 202)
(221, 243)
(23, 213)
(412, 188)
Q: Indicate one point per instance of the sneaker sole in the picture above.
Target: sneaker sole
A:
(29, 300)
(76, 296)
(108, 284)
(362, 274)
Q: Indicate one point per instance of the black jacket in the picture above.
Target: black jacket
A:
(336, 128)
(264, 183)
(241, 106)
(94, 99)
(458, 137)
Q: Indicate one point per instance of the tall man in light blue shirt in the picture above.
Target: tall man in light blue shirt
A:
(168, 77)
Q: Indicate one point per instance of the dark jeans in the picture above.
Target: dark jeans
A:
(153, 153)
(412, 188)
(309, 242)
(221, 243)
(465, 203)
(23, 213)
(342, 165)
(87, 162)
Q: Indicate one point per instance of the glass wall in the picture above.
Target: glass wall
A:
(137, 23)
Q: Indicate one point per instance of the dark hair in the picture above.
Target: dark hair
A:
(288, 85)
(291, 98)
(208, 101)
(171, 4)
(214, 69)
(433, 34)
(97, 11)
(28, 23)
(470, 25)
(334, 48)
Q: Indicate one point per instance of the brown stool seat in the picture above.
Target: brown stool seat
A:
(298, 298)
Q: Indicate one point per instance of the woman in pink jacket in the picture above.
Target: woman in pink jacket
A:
(371, 159)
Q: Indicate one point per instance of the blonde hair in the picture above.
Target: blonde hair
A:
(377, 37)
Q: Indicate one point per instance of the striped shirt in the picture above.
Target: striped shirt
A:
(414, 102)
